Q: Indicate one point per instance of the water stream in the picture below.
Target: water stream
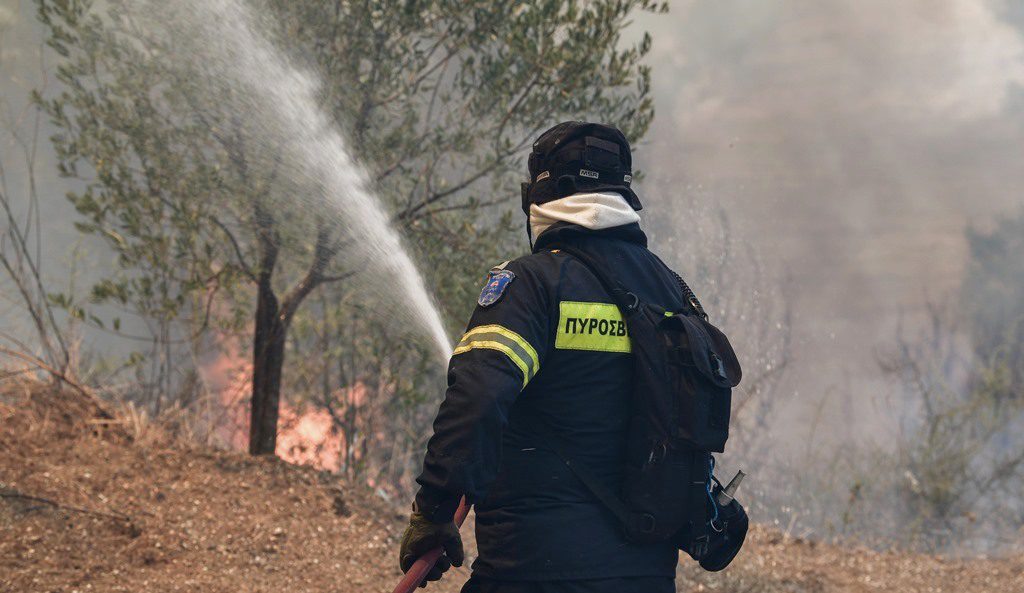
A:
(281, 104)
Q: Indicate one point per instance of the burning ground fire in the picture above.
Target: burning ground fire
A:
(307, 436)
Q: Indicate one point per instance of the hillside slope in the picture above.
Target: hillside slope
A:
(88, 504)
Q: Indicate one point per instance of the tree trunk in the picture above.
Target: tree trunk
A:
(272, 320)
(268, 364)
(268, 341)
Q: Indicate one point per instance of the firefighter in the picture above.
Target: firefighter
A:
(547, 350)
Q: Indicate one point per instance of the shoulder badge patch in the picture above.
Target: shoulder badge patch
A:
(497, 281)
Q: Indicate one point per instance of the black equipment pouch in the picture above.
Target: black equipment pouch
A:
(725, 539)
(684, 372)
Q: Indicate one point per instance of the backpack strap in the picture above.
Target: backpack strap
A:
(632, 522)
(626, 300)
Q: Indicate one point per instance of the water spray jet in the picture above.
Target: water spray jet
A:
(282, 101)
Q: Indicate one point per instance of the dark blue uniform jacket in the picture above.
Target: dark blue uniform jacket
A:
(553, 350)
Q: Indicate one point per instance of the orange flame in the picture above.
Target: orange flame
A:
(307, 436)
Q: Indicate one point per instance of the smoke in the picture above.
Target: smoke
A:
(850, 143)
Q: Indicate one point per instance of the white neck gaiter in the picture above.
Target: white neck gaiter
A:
(594, 211)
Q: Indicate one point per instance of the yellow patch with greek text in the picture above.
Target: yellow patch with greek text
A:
(591, 326)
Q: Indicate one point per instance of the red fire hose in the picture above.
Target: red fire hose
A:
(421, 567)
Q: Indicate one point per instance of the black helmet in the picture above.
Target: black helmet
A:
(577, 156)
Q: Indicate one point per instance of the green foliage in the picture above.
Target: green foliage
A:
(448, 96)
(153, 177)
(993, 296)
(441, 99)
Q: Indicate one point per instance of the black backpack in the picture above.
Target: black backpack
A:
(684, 372)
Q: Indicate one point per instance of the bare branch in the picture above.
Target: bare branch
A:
(53, 503)
(323, 254)
(237, 248)
(57, 374)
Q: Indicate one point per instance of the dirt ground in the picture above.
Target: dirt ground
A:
(93, 504)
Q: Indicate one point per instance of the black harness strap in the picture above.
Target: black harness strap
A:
(633, 522)
(625, 300)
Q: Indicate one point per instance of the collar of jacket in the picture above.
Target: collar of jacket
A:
(564, 232)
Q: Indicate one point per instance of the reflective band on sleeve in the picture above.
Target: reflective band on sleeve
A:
(506, 341)
(591, 326)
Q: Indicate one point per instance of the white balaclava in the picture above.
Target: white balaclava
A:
(590, 210)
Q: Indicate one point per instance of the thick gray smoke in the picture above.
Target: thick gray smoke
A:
(850, 142)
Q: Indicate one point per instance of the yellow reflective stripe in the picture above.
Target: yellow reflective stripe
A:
(504, 331)
(500, 348)
(506, 341)
(591, 326)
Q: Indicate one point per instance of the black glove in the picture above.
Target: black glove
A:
(422, 536)
(725, 544)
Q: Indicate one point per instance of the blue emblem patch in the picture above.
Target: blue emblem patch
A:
(497, 282)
